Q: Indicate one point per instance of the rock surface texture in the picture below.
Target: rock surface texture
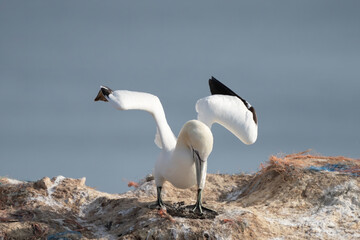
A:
(298, 196)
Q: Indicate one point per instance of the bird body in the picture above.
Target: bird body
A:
(178, 166)
(183, 160)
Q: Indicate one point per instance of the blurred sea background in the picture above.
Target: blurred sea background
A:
(296, 62)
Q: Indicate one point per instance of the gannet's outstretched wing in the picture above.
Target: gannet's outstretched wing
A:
(228, 109)
(130, 100)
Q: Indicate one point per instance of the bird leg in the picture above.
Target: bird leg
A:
(159, 203)
(198, 207)
(201, 167)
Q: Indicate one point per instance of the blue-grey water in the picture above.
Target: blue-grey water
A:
(296, 62)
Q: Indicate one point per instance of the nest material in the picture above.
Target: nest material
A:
(293, 165)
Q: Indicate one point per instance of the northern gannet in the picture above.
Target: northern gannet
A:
(183, 160)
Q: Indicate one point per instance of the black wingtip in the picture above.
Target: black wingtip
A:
(252, 109)
(104, 91)
(216, 87)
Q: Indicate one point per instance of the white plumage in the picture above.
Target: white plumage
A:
(183, 160)
(231, 113)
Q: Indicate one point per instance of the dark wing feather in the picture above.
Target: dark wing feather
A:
(104, 91)
(216, 87)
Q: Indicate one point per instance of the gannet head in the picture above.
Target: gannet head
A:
(197, 137)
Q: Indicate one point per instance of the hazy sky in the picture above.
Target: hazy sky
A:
(296, 62)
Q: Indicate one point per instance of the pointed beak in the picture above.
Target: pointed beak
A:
(201, 166)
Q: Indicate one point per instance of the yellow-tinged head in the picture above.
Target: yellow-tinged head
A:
(197, 136)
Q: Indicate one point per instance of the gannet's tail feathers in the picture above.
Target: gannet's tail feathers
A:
(103, 94)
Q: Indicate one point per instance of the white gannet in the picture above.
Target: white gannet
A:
(183, 160)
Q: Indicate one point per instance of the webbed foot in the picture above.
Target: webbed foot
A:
(159, 204)
(200, 209)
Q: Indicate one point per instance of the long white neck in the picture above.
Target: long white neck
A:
(130, 100)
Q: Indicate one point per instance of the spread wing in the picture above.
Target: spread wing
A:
(130, 100)
(228, 109)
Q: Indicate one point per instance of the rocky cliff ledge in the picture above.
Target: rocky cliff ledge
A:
(298, 196)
